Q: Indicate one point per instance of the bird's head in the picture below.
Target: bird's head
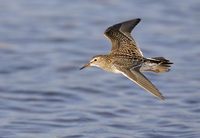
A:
(95, 61)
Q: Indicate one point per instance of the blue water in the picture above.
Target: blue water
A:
(44, 95)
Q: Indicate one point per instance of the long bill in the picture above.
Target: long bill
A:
(86, 65)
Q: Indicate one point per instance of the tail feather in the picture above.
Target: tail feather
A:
(156, 64)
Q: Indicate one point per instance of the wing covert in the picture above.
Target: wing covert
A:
(120, 36)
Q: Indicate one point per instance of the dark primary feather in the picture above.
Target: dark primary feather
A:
(125, 27)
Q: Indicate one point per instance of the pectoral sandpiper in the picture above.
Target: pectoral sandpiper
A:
(127, 59)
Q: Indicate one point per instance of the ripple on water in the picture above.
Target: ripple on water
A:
(74, 136)
(43, 102)
(42, 93)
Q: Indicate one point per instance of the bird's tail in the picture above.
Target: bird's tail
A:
(156, 64)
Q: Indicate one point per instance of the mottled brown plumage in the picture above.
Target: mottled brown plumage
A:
(127, 59)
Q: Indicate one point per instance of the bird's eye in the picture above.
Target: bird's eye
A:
(95, 59)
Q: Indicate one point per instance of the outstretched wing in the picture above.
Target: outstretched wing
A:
(120, 36)
(136, 76)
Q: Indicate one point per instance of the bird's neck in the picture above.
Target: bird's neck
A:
(106, 63)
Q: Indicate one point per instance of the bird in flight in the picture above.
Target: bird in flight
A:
(127, 59)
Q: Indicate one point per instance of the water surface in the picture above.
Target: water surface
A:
(43, 94)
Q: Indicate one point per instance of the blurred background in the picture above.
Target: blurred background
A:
(44, 95)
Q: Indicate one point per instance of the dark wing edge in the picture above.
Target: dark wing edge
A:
(137, 77)
(124, 27)
(128, 26)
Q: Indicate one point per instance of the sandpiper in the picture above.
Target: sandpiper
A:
(127, 59)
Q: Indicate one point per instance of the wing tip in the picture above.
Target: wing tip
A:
(158, 95)
(161, 97)
(136, 19)
(139, 19)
